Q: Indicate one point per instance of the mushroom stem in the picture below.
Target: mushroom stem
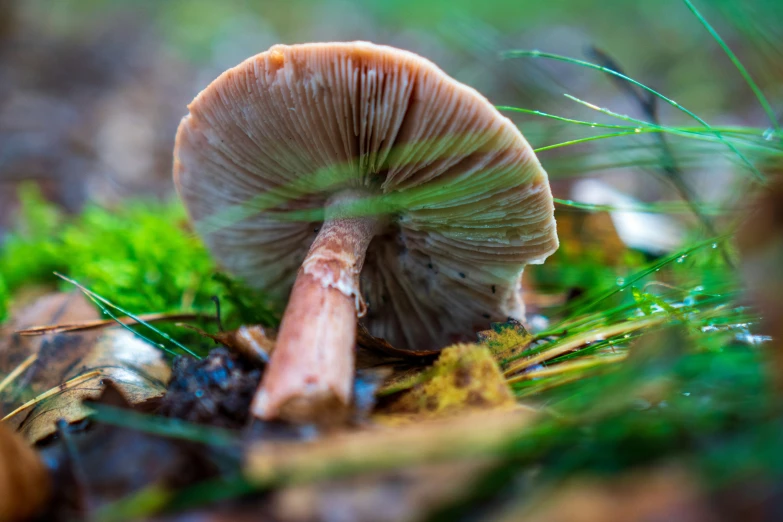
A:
(310, 374)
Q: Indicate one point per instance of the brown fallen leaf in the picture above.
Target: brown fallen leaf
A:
(403, 495)
(49, 308)
(760, 240)
(70, 367)
(25, 484)
(94, 468)
(364, 339)
(589, 234)
(255, 343)
(665, 493)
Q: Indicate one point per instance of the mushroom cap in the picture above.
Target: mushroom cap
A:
(271, 140)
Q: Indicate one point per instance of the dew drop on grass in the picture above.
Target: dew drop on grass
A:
(620, 281)
(637, 130)
(681, 259)
(769, 134)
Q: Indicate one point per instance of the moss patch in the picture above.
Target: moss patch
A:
(505, 340)
(465, 376)
(140, 255)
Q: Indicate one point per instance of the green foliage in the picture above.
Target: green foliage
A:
(140, 256)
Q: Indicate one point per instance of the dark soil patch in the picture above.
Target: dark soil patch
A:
(216, 390)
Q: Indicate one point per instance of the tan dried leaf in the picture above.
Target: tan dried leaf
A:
(71, 367)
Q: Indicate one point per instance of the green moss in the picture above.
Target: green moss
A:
(505, 340)
(464, 376)
(141, 256)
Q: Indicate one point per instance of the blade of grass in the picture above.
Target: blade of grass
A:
(665, 207)
(738, 64)
(741, 135)
(163, 426)
(588, 302)
(539, 54)
(572, 342)
(568, 367)
(97, 298)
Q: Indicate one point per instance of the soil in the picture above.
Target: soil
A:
(216, 390)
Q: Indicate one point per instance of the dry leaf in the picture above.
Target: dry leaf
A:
(474, 434)
(24, 481)
(71, 367)
(666, 493)
(255, 343)
(404, 495)
(761, 244)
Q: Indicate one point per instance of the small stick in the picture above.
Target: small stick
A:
(71, 383)
(94, 325)
(16, 372)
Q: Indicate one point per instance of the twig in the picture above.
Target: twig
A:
(72, 383)
(18, 371)
(94, 325)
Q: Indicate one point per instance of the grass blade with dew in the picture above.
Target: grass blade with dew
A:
(663, 207)
(97, 298)
(741, 136)
(539, 54)
(664, 129)
(562, 346)
(738, 64)
(587, 302)
(118, 320)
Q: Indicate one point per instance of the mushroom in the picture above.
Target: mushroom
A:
(326, 169)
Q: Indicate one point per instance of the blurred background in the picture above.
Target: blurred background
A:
(91, 91)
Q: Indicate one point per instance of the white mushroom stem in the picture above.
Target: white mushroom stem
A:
(310, 374)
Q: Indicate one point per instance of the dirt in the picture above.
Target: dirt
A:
(216, 390)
